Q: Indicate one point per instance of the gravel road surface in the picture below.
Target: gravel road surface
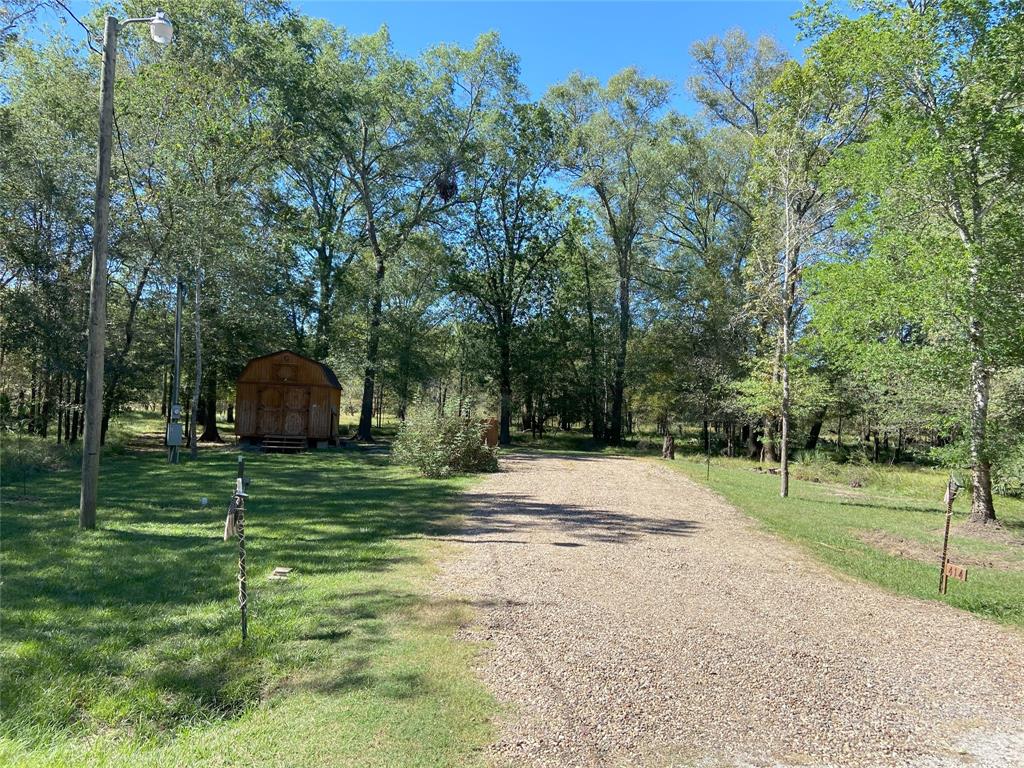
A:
(631, 618)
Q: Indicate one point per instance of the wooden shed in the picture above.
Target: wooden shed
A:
(286, 395)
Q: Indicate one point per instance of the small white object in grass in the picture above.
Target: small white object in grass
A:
(203, 501)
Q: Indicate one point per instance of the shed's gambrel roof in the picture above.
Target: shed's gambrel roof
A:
(332, 378)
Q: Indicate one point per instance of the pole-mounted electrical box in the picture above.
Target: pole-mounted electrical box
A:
(174, 435)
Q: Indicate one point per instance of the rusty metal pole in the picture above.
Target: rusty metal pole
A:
(951, 489)
(243, 594)
(945, 548)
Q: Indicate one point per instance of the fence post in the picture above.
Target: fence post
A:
(951, 490)
(240, 497)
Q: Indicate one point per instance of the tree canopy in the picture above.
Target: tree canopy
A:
(829, 253)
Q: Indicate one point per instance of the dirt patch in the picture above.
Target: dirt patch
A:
(991, 532)
(897, 546)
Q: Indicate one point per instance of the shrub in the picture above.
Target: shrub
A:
(24, 456)
(820, 466)
(1008, 473)
(439, 445)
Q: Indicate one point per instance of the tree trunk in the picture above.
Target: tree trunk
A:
(898, 453)
(789, 301)
(76, 417)
(231, 413)
(982, 508)
(210, 433)
(197, 384)
(47, 402)
(815, 433)
(505, 383)
(365, 431)
(596, 386)
(619, 384)
(60, 409)
(32, 403)
(754, 446)
(668, 447)
(769, 441)
(69, 411)
(325, 270)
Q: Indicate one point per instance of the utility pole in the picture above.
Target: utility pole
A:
(98, 289)
(161, 30)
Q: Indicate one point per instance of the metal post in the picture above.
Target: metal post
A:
(951, 490)
(243, 595)
(98, 288)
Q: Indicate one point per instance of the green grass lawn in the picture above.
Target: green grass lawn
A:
(121, 646)
(889, 531)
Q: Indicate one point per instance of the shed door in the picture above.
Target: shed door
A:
(296, 411)
(269, 417)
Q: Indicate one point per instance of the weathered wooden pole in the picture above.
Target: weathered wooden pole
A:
(162, 32)
(98, 288)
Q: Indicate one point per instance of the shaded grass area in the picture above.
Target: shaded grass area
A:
(121, 646)
(888, 532)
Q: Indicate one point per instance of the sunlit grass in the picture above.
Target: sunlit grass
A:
(887, 531)
(121, 646)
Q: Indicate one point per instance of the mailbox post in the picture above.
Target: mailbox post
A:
(947, 568)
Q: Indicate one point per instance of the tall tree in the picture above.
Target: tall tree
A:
(797, 117)
(942, 175)
(509, 230)
(314, 208)
(410, 127)
(615, 149)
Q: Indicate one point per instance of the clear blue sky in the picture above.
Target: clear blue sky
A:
(553, 39)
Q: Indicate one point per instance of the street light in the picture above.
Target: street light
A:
(161, 30)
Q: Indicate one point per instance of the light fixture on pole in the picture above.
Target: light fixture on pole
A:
(161, 30)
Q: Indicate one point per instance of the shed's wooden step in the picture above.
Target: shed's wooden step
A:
(283, 444)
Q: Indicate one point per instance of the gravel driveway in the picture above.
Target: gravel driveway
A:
(630, 617)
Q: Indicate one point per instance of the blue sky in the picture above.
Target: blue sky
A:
(554, 39)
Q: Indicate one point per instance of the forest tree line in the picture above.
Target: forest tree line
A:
(831, 249)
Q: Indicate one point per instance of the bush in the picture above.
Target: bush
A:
(24, 456)
(1008, 474)
(820, 466)
(439, 445)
